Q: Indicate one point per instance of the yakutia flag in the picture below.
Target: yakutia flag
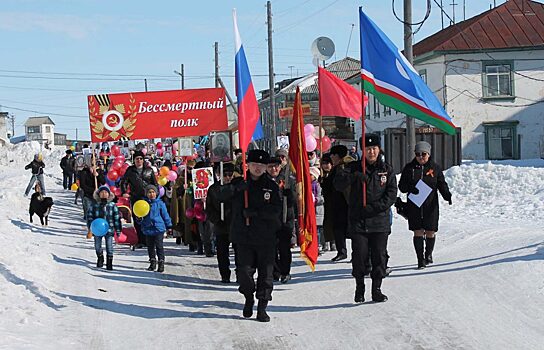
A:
(388, 75)
(248, 109)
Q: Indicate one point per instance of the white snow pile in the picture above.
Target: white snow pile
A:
(499, 190)
(484, 290)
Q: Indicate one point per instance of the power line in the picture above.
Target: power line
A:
(45, 113)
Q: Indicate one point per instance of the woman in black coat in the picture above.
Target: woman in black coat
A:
(424, 220)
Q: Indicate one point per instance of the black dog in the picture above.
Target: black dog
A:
(40, 206)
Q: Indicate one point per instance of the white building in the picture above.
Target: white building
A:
(488, 72)
(41, 129)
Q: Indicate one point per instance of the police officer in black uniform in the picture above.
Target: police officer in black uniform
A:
(253, 231)
(369, 225)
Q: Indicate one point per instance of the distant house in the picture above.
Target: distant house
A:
(60, 139)
(41, 129)
(488, 72)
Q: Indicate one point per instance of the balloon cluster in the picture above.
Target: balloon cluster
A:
(197, 211)
(165, 175)
(312, 136)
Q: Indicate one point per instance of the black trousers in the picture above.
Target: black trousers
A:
(284, 258)
(67, 180)
(155, 242)
(222, 243)
(255, 258)
(340, 238)
(136, 221)
(361, 245)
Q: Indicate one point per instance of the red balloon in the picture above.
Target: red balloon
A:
(115, 150)
(326, 142)
(120, 158)
(117, 165)
(113, 175)
(190, 213)
(199, 205)
(200, 216)
(123, 169)
(159, 145)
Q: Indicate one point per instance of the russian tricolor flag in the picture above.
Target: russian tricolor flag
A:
(249, 125)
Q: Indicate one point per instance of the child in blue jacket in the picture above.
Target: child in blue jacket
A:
(154, 225)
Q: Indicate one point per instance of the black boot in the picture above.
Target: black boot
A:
(262, 316)
(429, 247)
(200, 248)
(208, 250)
(248, 306)
(418, 245)
(109, 263)
(377, 295)
(191, 247)
(160, 268)
(152, 265)
(342, 255)
(100, 260)
(360, 292)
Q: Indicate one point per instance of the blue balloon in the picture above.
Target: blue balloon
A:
(99, 227)
(109, 182)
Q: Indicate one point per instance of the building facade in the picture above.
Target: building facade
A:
(41, 129)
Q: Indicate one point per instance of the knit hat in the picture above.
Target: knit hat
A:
(151, 187)
(258, 156)
(423, 146)
(282, 152)
(314, 171)
(104, 188)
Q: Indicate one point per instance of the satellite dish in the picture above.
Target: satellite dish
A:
(322, 48)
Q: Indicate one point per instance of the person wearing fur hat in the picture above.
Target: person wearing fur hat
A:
(423, 221)
(154, 225)
(336, 206)
(133, 185)
(256, 208)
(284, 257)
(369, 222)
(221, 222)
(37, 165)
(104, 208)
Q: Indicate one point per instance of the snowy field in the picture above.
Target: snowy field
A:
(485, 290)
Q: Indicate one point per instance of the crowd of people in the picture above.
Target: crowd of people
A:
(257, 216)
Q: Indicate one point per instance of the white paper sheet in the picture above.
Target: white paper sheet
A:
(424, 191)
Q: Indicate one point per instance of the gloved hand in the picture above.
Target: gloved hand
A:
(364, 178)
(414, 190)
(447, 198)
(449, 201)
(249, 213)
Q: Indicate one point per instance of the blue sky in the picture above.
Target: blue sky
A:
(55, 53)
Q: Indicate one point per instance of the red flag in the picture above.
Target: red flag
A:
(306, 210)
(337, 98)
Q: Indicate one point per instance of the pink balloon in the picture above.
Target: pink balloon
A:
(201, 216)
(121, 238)
(161, 191)
(144, 151)
(115, 150)
(113, 175)
(199, 205)
(308, 129)
(172, 175)
(175, 146)
(326, 142)
(311, 143)
(190, 213)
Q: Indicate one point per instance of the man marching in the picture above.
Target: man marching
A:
(369, 223)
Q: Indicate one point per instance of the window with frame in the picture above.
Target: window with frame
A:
(367, 108)
(501, 141)
(376, 106)
(497, 80)
(423, 75)
(47, 128)
(386, 110)
(33, 129)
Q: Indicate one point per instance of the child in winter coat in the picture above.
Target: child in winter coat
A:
(104, 208)
(154, 225)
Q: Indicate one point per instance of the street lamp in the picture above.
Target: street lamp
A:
(182, 77)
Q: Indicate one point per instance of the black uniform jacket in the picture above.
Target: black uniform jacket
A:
(381, 193)
(137, 182)
(431, 173)
(264, 208)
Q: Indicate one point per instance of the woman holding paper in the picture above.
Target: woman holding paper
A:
(422, 179)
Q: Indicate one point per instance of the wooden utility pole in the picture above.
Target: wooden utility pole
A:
(216, 49)
(271, 82)
(408, 53)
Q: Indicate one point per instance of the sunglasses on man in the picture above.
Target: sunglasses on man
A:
(421, 154)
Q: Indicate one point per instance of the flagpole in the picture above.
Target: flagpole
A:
(363, 131)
